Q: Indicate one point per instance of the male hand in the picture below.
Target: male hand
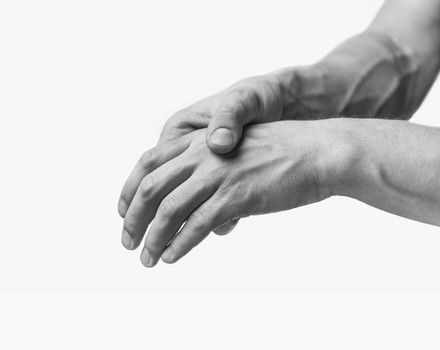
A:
(183, 191)
(252, 100)
(343, 83)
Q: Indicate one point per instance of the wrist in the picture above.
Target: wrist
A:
(338, 168)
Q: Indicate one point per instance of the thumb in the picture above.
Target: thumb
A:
(227, 227)
(236, 109)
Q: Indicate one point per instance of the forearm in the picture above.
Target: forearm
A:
(391, 165)
(384, 72)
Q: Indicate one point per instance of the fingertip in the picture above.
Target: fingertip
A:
(226, 228)
(220, 150)
(221, 140)
(122, 207)
(146, 259)
(127, 241)
(168, 256)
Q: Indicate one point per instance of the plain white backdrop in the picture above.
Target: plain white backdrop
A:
(85, 88)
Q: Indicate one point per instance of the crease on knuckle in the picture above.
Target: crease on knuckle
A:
(180, 248)
(200, 220)
(148, 159)
(168, 208)
(153, 244)
(129, 226)
(188, 117)
(147, 186)
(177, 119)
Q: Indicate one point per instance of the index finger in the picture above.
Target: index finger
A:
(148, 162)
(185, 121)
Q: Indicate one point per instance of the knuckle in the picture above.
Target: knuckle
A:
(199, 220)
(188, 116)
(238, 102)
(254, 84)
(244, 90)
(185, 121)
(227, 108)
(182, 247)
(147, 186)
(176, 119)
(181, 114)
(153, 243)
(129, 226)
(170, 127)
(148, 158)
(168, 208)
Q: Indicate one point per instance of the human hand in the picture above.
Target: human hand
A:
(185, 191)
(368, 75)
(343, 83)
(251, 100)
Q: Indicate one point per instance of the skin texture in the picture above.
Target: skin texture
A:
(383, 72)
(393, 166)
(183, 191)
(276, 167)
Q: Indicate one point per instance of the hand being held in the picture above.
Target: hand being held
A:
(182, 191)
(252, 100)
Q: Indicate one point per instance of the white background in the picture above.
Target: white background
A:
(85, 87)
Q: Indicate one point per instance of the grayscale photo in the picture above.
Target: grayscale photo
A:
(220, 174)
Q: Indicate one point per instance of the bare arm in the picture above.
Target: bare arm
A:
(391, 165)
(384, 72)
(182, 191)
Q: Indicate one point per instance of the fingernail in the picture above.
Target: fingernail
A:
(146, 258)
(222, 137)
(167, 256)
(122, 208)
(127, 241)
